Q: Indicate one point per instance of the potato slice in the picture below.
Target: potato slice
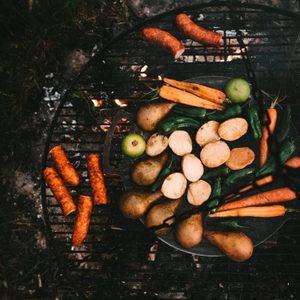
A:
(192, 167)
(233, 129)
(156, 144)
(198, 192)
(180, 142)
(214, 154)
(174, 186)
(240, 158)
(207, 133)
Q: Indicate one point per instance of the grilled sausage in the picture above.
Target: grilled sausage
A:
(59, 191)
(64, 166)
(165, 40)
(82, 222)
(197, 32)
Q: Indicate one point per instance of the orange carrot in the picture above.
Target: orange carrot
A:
(82, 222)
(264, 198)
(271, 118)
(59, 191)
(64, 166)
(293, 162)
(252, 211)
(96, 179)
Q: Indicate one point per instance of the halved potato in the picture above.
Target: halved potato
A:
(198, 192)
(156, 144)
(240, 158)
(180, 142)
(233, 129)
(174, 186)
(214, 154)
(207, 133)
(192, 167)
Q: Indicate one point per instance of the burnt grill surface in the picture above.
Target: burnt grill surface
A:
(118, 259)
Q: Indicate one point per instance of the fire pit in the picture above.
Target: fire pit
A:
(118, 260)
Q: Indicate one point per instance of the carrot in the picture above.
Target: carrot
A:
(82, 222)
(271, 117)
(203, 91)
(252, 211)
(64, 166)
(96, 179)
(59, 190)
(293, 162)
(179, 96)
(264, 198)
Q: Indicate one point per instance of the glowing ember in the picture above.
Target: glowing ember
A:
(97, 102)
(121, 102)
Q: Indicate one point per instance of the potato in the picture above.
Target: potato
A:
(233, 129)
(198, 192)
(192, 167)
(156, 144)
(207, 133)
(180, 142)
(174, 186)
(240, 158)
(214, 154)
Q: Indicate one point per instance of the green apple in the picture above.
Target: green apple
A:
(133, 145)
(237, 90)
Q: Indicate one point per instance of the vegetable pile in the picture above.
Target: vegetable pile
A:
(192, 158)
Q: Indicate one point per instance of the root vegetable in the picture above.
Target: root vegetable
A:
(240, 158)
(233, 129)
(215, 154)
(236, 245)
(192, 167)
(189, 231)
(180, 142)
(146, 171)
(198, 192)
(174, 186)
(156, 144)
(207, 133)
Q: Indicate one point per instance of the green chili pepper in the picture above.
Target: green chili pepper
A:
(167, 128)
(222, 171)
(193, 112)
(216, 193)
(231, 112)
(238, 175)
(253, 119)
(283, 130)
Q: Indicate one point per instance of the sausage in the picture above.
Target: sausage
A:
(64, 166)
(96, 179)
(198, 33)
(165, 40)
(82, 222)
(59, 191)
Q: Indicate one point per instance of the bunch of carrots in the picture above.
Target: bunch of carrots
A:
(261, 204)
(67, 173)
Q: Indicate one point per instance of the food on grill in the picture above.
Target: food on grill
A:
(192, 167)
(156, 144)
(160, 212)
(240, 158)
(207, 133)
(180, 142)
(202, 91)
(253, 119)
(237, 176)
(149, 115)
(82, 222)
(189, 231)
(96, 179)
(222, 171)
(236, 245)
(164, 39)
(174, 185)
(238, 90)
(197, 32)
(293, 162)
(59, 191)
(233, 129)
(214, 154)
(269, 211)
(134, 204)
(133, 145)
(268, 128)
(230, 112)
(198, 192)
(217, 189)
(179, 96)
(264, 198)
(188, 111)
(64, 166)
(145, 171)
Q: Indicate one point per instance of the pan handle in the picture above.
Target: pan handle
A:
(108, 168)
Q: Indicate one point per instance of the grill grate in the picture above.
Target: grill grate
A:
(116, 260)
